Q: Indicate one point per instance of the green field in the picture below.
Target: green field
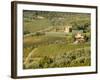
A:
(44, 47)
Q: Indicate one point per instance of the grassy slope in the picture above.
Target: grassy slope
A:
(36, 25)
(57, 55)
(53, 50)
(47, 50)
(47, 47)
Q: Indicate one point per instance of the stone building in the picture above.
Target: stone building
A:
(68, 29)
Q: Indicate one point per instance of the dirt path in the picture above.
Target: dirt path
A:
(30, 54)
(33, 33)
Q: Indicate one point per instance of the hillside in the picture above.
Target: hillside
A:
(49, 39)
(39, 20)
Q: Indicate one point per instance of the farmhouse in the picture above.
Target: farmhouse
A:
(68, 29)
(65, 29)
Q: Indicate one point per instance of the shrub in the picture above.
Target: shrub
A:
(26, 32)
(82, 61)
(33, 65)
(40, 33)
(45, 62)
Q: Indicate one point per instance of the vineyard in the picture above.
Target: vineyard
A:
(45, 45)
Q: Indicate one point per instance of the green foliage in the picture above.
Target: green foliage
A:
(55, 48)
(74, 58)
(26, 32)
(39, 33)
